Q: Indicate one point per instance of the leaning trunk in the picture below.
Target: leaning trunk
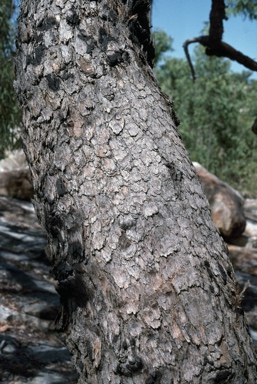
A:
(148, 293)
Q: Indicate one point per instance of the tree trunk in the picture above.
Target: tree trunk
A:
(145, 282)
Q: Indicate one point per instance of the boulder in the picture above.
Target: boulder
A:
(227, 205)
(16, 184)
(250, 209)
(15, 178)
(243, 259)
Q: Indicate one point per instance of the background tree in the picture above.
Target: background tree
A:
(246, 7)
(9, 110)
(143, 275)
(216, 113)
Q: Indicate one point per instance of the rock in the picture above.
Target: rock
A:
(43, 363)
(240, 241)
(50, 378)
(9, 348)
(45, 353)
(16, 184)
(41, 310)
(236, 219)
(30, 349)
(15, 178)
(252, 242)
(251, 228)
(227, 205)
(13, 160)
(244, 240)
(250, 208)
(9, 345)
(243, 259)
(254, 336)
(6, 313)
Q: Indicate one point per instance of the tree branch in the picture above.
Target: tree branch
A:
(221, 50)
(214, 44)
(217, 15)
(226, 50)
(185, 46)
(216, 47)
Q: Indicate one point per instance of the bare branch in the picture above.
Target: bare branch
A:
(214, 44)
(254, 127)
(185, 46)
(217, 15)
(226, 50)
(221, 50)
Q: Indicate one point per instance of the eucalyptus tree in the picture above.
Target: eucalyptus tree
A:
(148, 293)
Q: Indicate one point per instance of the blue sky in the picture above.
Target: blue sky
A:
(184, 19)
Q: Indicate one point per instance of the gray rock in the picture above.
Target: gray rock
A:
(252, 243)
(227, 204)
(41, 310)
(29, 351)
(6, 313)
(9, 348)
(50, 378)
(44, 353)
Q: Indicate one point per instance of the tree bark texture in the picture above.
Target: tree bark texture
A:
(144, 278)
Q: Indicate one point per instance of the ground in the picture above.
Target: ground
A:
(31, 350)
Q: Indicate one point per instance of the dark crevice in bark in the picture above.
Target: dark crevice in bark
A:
(139, 26)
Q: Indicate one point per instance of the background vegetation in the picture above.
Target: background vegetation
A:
(216, 112)
(9, 110)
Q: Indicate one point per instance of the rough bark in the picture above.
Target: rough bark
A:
(144, 277)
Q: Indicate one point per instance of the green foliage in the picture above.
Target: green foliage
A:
(248, 8)
(163, 43)
(216, 113)
(9, 110)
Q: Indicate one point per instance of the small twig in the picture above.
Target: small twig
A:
(185, 46)
(240, 295)
(254, 127)
(201, 40)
